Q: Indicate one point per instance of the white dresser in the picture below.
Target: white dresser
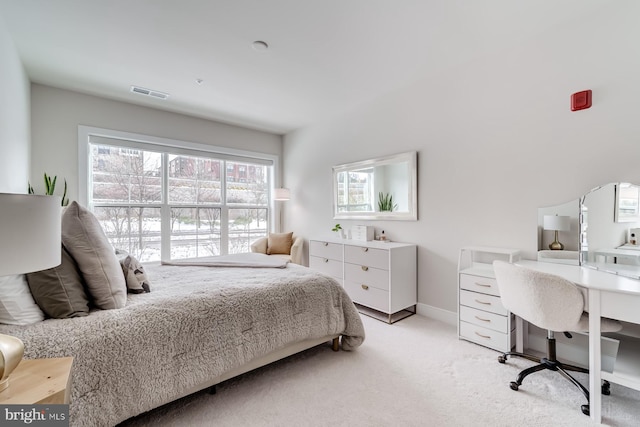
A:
(376, 275)
(481, 316)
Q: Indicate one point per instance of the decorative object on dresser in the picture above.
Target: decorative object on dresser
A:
(338, 229)
(381, 278)
(557, 223)
(482, 318)
(30, 230)
(363, 233)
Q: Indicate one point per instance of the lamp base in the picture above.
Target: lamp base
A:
(556, 246)
(11, 352)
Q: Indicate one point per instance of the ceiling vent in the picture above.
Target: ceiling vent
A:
(149, 92)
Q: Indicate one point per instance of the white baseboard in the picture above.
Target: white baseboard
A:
(445, 316)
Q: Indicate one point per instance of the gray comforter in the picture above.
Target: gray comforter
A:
(196, 324)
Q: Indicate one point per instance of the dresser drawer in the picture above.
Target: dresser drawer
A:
(330, 267)
(487, 337)
(370, 257)
(485, 319)
(325, 250)
(483, 302)
(485, 285)
(364, 275)
(368, 295)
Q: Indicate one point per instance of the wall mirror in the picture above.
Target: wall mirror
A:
(381, 188)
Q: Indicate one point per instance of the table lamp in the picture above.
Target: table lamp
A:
(30, 239)
(557, 223)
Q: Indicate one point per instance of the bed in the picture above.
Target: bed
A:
(198, 326)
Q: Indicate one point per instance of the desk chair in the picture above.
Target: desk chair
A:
(552, 303)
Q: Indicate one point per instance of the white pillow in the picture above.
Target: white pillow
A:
(17, 306)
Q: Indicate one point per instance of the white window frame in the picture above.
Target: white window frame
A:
(135, 141)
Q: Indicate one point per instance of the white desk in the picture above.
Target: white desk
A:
(608, 295)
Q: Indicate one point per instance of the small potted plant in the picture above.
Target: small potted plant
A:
(338, 229)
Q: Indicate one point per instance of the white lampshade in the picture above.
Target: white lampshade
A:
(281, 194)
(557, 222)
(30, 233)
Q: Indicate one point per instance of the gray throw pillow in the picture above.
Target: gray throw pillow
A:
(59, 291)
(134, 275)
(85, 240)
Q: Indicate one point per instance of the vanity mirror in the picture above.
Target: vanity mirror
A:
(381, 188)
(609, 220)
(603, 232)
(561, 224)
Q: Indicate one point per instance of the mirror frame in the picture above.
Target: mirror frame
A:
(411, 158)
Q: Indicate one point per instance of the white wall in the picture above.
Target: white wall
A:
(56, 114)
(14, 118)
(496, 141)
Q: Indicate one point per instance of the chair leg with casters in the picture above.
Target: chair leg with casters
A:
(503, 357)
(550, 362)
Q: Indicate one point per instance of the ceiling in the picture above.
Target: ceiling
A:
(325, 57)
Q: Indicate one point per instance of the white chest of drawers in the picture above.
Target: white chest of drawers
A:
(376, 275)
(482, 318)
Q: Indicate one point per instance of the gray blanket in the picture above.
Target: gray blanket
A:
(196, 324)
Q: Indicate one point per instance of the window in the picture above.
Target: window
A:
(170, 202)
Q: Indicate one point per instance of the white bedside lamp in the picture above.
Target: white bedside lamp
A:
(30, 233)
(557, 223)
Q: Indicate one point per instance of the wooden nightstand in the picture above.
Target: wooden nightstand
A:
(39, 381)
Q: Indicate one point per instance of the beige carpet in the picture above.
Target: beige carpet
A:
(412, 373)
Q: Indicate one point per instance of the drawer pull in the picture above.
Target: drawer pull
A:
(364, 268)
(484, 285)
(483, 336)
(326, 260)
(483, 302)
(325, 243)
(483, 320)
(365, 287)
(365, 249)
